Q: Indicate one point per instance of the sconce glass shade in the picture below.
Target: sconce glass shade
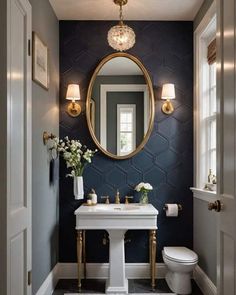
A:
(121, 37)
(73, 92)
(168, 91)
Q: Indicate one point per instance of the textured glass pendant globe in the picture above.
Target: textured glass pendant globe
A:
(121, 37)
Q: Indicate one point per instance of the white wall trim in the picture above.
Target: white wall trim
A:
(50, 282)
(104, 88)
(203, 32)
(133, 271)
(207, 18)
(100, 270)
(203, 282)
(204, 195)
(96, 271)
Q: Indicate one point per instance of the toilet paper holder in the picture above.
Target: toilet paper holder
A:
(180, 207)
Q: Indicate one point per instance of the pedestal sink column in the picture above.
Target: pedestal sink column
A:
(117, 283)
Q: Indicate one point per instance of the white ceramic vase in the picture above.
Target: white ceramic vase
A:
(78, 187)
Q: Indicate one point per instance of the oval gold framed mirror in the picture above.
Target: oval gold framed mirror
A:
(120, 106)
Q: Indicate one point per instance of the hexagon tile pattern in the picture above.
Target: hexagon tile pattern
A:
(166, 50)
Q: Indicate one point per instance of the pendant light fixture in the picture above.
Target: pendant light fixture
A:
(121, 37)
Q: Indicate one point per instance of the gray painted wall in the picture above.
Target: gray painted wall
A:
(202, 11)
(205, 237)
(3, 147)
(45, 114)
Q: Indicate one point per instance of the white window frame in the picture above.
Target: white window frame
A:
(131, 107)
(104, 88)
(203, 35)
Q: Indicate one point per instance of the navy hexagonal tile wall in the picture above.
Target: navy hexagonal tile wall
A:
(166, 50)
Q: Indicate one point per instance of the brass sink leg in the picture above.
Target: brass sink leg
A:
(152, 249)
(84, 254)
(79, 255)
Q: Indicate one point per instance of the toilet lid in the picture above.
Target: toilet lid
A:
(181, 254)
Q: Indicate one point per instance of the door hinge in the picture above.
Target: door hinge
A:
(29, 278)
(29, 47)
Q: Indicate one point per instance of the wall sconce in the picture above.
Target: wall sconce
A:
(168, 93)
(73, 94)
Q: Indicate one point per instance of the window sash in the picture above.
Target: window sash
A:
(126, 108)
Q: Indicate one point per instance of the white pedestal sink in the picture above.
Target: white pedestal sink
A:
(116, 219)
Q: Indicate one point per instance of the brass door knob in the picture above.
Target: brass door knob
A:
(217, 206)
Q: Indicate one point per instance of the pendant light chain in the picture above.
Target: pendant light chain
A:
(121, 15)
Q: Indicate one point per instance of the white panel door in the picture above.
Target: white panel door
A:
(226, 40)
(19, 148)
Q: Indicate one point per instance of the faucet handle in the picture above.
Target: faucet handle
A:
(107, 199)
(127, 199)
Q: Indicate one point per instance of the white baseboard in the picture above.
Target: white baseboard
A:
(133, 271)
(100, 270)
(203, 282)
(50, 282)
(96, 271)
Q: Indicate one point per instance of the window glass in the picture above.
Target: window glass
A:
(126, 129)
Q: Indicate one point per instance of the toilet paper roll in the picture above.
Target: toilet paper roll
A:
(172, 210)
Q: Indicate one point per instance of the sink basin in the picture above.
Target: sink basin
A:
(114, 207)
(108, 216)
(116, 219)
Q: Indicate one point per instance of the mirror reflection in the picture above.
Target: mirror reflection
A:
(120, 106)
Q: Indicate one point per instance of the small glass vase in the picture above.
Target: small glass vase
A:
(143, 198)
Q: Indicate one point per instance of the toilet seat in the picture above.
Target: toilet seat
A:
(180, 254)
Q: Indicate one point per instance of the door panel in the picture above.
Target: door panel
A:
(19, 148)
(18, 267)
(228, 94)
(226, 40)
(17, 136)
(228, 264)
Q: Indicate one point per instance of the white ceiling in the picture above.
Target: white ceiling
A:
(134, 10)
(118, 66)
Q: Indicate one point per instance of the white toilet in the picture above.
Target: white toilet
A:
(180, 262)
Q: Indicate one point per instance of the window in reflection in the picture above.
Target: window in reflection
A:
(126, 129)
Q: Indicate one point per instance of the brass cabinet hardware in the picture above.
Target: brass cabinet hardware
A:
(127, 198)
(217, 206)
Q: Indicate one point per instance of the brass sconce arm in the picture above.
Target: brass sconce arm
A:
(167, 107)
(74, 109)
(47, 136)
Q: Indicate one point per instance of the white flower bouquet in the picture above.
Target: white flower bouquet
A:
(144, 188)
(76, 155)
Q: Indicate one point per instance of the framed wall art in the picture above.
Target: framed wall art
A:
(40, 62)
